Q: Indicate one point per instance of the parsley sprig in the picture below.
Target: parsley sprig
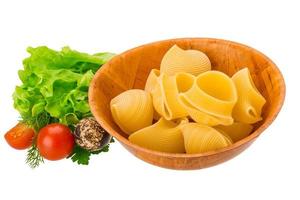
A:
(82, 156)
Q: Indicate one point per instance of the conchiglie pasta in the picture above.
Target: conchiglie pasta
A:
(200, 138)
(195, 109)
(182, 120)
(202, 117)
(250, 102)
(190, 61)
(165, 95)
(164, 136)
(132, 110)
(236, 131)
(151, 83)
(211, 99)
(226, 136)
(152, 80)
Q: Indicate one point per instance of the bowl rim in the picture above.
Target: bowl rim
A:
(235, 145)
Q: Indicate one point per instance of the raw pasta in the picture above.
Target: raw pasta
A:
(132, 110)
(189, 61)
(164, 136)
(236, 131)
(152, 80)
(250, 102)
(211, 99)
(201, 138)
(165, 94)
(227, 137)
(186, 88)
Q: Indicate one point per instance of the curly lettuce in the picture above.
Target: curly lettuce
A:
(56, 83)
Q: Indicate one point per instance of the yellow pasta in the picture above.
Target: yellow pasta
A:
(201, 138)
(165, 95)
(189, 61)
(250, 102)
(132, 110)
(184, 88)
(226, 136)
(182, 120)
(152, 80)
(164, 136)
(211, 99)
(236, 131)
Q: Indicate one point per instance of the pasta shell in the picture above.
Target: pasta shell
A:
(236, 131)
(200, 138)
(151, 83)
(190, 61)
(132, 110)
(211, 99)
(182, 120)
(158, 100)
(204, 118)
(250, 102)
(152, 80)
(156, 115)
(164, 136)
(226, 136)
(165, 95)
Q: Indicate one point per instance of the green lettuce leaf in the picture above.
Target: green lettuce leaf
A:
(56, 83)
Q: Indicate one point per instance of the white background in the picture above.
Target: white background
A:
(268, 169)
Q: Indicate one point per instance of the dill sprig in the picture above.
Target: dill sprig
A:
(34, 158)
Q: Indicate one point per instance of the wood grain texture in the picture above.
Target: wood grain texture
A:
(131, 68)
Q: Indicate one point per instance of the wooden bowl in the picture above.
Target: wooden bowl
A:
(131, 68)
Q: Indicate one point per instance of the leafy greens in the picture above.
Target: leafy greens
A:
(57, 83)
(55, 89)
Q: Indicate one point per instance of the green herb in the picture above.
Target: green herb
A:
(55, 89)
(82, 156)
(34, 159)
(56, 83)
(39, 121)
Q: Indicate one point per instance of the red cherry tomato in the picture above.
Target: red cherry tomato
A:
(20, 137)
(55, 141)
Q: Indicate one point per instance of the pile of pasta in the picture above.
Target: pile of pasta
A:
(194, 109)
